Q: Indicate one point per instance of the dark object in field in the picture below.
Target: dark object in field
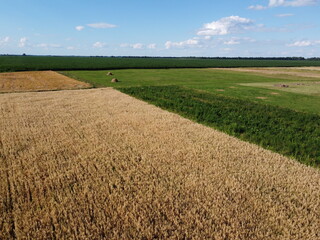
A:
(114, 80)
(282, 85)
(109, 74)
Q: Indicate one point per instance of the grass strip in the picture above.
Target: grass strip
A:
(291, 133)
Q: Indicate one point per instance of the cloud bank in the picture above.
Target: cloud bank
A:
(224, 26)
(4, 41)
(285, 3)
(183, 44)
(304, 43)
(99, 45)
(22, 42)
(79, 28)
(285, 15)
(227, 25)
(139, 45)
(101, 25)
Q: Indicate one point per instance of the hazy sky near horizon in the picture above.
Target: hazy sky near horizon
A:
(250, 28)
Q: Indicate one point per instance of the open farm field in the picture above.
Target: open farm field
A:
(98, 164)
(309, 72)
(59, 63)
(311, 88)
(37, 81)
(288, 132)
(249, 86)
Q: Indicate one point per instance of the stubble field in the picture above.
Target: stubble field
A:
(37, 81)
(98, 164)
(302, 72)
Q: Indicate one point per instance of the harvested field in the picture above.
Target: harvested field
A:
(37, 81)
(305, 87)
(261, 98)
(98, 164)
(306, 68)
(308, 72)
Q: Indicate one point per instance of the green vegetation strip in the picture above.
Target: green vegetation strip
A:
(228, 83)
(59, 63)
(294, 134)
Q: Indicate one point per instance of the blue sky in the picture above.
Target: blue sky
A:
(247, 28)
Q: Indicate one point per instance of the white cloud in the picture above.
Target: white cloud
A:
(137, 46)
(188, 43)
(71, 48)
(294, 3)
(304, 43)
(248, 39)
(134, 46)
(257, 7)
(152, 46)
(48, 45)
(4, 40)
(285, 3)
(285, 15)
(79, 28)
(227, 25)
(22, 42)
(300, 44)
(101, 25)
(224, 26)
(236, 40)
(231, 42)
(99, 44)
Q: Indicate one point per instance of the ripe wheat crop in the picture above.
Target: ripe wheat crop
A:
(98, 164)
(37, 81)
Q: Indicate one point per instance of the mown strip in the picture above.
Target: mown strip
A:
(63, 63)
(282, 130)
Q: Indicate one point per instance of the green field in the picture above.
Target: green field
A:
(227, 83)
(59, 63)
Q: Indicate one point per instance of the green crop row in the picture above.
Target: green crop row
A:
(294, 134)
(31, 63)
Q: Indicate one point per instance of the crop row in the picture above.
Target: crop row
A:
(282, 130)
(31, 63)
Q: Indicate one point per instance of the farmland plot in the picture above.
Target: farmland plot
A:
(302, 72)
(250, 86)
(98, 164)
(37, 81)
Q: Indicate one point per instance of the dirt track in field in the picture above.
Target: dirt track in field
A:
(309, 72)
(98, 164)
(37, 81)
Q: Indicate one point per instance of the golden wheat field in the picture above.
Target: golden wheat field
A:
(37, 81)
(98, 164)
